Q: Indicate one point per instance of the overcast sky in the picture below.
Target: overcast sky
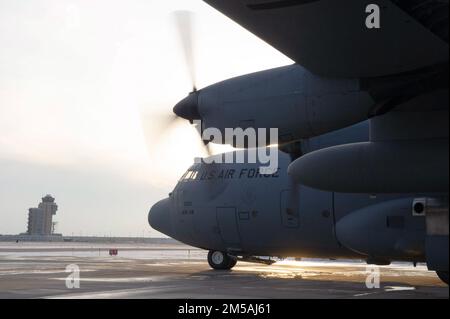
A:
(82, 86)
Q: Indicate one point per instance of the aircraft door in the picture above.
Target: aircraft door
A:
(228, 226)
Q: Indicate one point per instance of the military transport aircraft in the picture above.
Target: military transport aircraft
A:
(362, 118)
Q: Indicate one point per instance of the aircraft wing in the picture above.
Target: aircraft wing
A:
(330, 37)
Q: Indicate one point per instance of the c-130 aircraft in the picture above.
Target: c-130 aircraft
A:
(362, 118)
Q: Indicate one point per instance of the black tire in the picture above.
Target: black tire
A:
(219, 260)
(233, 262)
(443, 275)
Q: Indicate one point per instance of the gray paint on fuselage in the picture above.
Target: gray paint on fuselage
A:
(263, 226)
(256, 205)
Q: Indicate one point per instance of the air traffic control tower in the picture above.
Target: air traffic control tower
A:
(40, 220)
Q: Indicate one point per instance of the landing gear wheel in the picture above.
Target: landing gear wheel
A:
(443, 275)
(219, 260)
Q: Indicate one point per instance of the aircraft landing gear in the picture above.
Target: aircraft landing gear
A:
(443, 275)
(219, 260)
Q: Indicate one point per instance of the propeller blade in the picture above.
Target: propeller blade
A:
(158, 123)
(184, 23)
(208, 149)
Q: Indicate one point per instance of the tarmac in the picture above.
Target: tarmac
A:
(177, 271)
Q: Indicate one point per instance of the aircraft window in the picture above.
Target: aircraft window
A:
(183, 177)
(190, 175)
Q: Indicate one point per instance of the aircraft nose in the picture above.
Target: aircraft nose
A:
(159, 217)
(188, 107)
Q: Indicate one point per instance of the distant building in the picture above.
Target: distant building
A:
(40, 220)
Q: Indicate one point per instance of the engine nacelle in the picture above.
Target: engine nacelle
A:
(306, 105)
(376, 167)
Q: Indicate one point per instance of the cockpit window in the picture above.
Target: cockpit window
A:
(190, 175)
(184, 176)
